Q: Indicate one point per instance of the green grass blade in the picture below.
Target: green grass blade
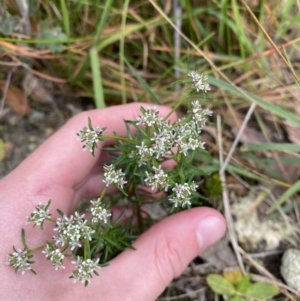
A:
(65, 15)
(103, 20)
(143, 83)
(122, 55)
(288, 193)
(272, 146)
(97, 81)
(66, 24)
(261, 102)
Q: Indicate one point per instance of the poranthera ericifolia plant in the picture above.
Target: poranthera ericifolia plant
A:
(137, 168)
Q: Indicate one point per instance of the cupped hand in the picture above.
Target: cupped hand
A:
(61, 171)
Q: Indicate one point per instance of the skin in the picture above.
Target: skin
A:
(61, 171)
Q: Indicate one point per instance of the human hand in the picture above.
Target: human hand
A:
(60, 171)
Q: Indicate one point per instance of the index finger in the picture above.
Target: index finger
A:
(61, 160)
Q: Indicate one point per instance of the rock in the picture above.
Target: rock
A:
(252, 232)
(290, 268)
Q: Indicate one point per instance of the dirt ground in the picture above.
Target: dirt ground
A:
(22, 135)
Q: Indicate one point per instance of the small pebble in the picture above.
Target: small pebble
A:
(290, 268)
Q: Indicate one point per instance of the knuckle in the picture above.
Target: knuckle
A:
(168, 259)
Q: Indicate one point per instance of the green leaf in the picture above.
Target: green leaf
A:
(60, 212)
(23, 239)
(272, 146)
(277, 110)
(220, 285)
(8, 22)
(288, 193)
(143, 83)
(238, 298)
(261, 290)
(97, 79)
(2, 150)
(48, 205)
(244, 284)
(54, 37)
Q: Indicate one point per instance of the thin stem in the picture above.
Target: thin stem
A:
(102, 194)
(174, 108)
(126, 139)
(36, 249)
(51, 220)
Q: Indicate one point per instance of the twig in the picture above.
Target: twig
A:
(5, 93)
(177, 11)
(238, 137)
(228, 215)
(266, 273)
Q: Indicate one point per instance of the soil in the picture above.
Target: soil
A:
(22, 135)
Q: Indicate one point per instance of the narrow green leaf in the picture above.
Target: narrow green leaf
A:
(122, 51)
(97, 81)
(24, 239)
(220, 285)
(65, 15)
(272, 146)
(48, 204)
(103, 20)
(66, 23)
(288, 193)
(143, 83)
(60, 212)
(261, 102)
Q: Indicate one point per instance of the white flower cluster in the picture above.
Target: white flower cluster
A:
(40, 214)
(55, 255)
(113, 176)
(200, 115)
(183, 134)
(199, 81)
(158, 180)
(150, 117)
(20, 260)
(90, 136)
(144, 153)
(182, 194)
(98, 212)
(72, 230)
(187, 134)
(163, 139)
(85, 270)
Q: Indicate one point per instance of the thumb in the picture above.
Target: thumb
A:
(163, 252)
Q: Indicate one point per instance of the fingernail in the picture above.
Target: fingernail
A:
(209, 230)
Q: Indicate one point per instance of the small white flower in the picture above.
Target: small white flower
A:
(200, 115)
(20, 260)
(98, 212)
(113, 176)
(157, 180)
(163, 140)
(85, 270)
(149, 117)
(90, 136)
(182, 193)
(54, 255)
(144, 153)
(187, 136)
(40, 214)
(199, 81)
(72, 230)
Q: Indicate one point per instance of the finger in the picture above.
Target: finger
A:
(63, 152)
(161, 254)
(59, 164)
